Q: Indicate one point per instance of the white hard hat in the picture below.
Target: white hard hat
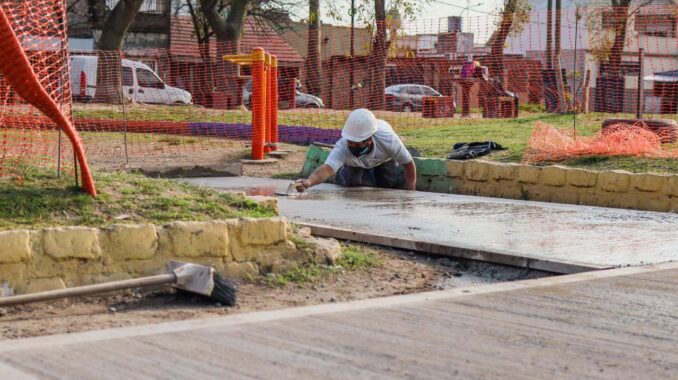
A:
(360, 125)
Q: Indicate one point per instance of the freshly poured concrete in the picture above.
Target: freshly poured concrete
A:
(590, 236)
(610, 324)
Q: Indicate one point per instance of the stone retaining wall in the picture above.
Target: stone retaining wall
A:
(614, 188)
(53, 258)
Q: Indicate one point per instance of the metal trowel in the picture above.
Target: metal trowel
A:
(291, 190)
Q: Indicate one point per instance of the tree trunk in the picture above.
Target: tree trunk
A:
(109, 86)
(205, 77)
(621, 16)
(228, 32)
(549, 35)
(560, 85)
(313, 74)
(497, 52)
(377, 61)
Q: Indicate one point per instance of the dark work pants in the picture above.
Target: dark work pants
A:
(384, 175)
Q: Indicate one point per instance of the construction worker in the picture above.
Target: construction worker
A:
(368, 154)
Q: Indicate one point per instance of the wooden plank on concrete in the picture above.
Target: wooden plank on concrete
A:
(554, 265)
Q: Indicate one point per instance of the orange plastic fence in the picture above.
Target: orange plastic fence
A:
(17, 70)
(179, 100)
(552, 144)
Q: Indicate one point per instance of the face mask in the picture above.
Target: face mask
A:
(359, 151)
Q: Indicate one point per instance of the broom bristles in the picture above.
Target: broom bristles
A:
(224, 291)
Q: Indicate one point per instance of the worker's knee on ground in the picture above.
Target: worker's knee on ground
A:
(349, 176)
(387, 175)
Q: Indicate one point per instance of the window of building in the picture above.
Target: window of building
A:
(656, 25)
(149, 6)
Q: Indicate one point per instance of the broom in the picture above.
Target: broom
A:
(193, 278)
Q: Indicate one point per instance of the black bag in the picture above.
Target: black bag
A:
(465, 151)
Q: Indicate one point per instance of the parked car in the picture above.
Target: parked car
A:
(139, 82)
(407, 97)
(301, 100)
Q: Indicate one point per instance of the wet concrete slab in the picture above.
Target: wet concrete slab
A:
(588, 236)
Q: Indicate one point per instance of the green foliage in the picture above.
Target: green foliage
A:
(519, 11)
(355, 257)
(364, 13)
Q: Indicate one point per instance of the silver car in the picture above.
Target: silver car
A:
(301, 100)
(407, 97)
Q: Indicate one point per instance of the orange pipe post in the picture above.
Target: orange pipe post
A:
(273, 103)
(267, 119)
(258, 103)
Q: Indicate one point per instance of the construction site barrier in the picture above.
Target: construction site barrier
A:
(430, 74)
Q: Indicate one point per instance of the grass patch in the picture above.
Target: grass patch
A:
(290, 175)
(34, 198)
(354, 257)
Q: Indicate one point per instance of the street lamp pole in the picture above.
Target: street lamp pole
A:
(351, 69)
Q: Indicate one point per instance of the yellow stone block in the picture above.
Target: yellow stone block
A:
(14, 246)
(649, 182)
(662, 204)
(71, 242)
(582, 177)
(129, 241)
(568, 196)
(195, 239)
(528, 174)
(455, 168)
(590, 199)
(615, 181)
(538, 193)
(241, 270)
(41, 285)
(477, 170)
(510, 191)
(268, 202)
(617, 200)
(672, 186)
(553, 176)
(673, 207)
(265, 231)
(13, 273)
(504, 172)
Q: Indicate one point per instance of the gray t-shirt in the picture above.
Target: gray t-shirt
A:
(387, 147)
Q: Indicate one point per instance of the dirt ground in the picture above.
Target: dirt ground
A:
(401, 272)
(165, 155)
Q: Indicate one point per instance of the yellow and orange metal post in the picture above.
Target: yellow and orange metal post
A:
(264, 99)
(258, 103)
(267, 121)
(273, 104)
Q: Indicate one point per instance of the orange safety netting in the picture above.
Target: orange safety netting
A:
(38, 79)
(178, 99)
(548, 143)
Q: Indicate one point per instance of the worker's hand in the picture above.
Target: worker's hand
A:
(301, 185)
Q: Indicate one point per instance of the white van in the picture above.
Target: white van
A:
(139, 82)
